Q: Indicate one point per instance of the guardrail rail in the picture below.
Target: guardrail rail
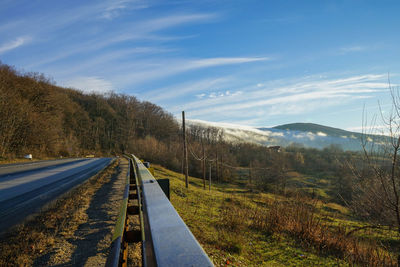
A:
(165, 238)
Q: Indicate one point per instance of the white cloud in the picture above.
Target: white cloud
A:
(370, 129)
(219, 61)
(150, 70)
(291, 97)
(108, 58)
(355, 48)
(174, 20)
(14, 44)
(223, 94)
(200, 95)
(143, 31)
(192, 87)
(235, 127)
(359, 48)
(115, 7)
(90, 84)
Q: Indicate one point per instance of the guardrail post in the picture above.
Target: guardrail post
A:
(164, 184)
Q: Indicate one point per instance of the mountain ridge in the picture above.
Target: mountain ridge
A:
(315, 128)
(309, 135)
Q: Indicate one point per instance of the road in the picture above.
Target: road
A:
(26, 188)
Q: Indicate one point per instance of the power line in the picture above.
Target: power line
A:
(244, 168)
(194, 154)
(224, 164)
(221, 163)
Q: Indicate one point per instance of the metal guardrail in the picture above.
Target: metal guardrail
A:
(165, 238)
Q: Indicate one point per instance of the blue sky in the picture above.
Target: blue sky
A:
(256, 63)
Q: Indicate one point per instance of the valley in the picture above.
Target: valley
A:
(308, 135)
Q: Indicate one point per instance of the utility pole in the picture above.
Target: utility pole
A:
(209, 180)
(185, 156)
(216, 165)
(221, 170)
(250, 173)
(204, 166)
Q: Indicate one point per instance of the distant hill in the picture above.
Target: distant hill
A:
(301, 134)
(316, 128)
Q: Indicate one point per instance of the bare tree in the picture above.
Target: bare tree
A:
(376, 191)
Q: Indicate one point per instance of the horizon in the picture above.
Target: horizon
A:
(248, 63)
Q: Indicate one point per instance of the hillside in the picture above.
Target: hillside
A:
(316, 128)
(37, 117)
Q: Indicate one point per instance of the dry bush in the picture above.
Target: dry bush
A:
(232, 225)
(299, 219)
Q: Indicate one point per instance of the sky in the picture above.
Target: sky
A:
(254, 63)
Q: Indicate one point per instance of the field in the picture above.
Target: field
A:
(241, 226)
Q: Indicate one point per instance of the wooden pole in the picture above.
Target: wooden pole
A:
(183, 161)
(250, 173)
(216, 165)
(221, 169)
(204, 166)
(209, 180)
(185, 154)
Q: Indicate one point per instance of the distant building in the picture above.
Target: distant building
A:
(275, 148)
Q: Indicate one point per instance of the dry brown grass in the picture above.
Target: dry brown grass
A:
(23, 160)
(299, 218)
(61, 219)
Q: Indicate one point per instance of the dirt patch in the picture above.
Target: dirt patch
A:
(76, 230)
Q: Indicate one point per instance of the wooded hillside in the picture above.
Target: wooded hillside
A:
(41, 118)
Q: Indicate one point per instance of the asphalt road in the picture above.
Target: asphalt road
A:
(7, 169)
(26, 188)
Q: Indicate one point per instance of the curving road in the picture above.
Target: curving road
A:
(25, 188)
